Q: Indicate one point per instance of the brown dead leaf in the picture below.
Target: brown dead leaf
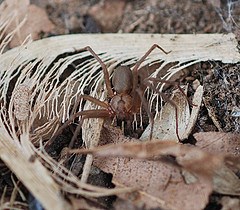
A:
(121, 204)
(220, 142)
(37, 20)
(165, 126)
(225, 180)
(108, 14)
(189, 157)
(160, 184)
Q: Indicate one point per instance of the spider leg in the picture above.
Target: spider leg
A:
(99, 113)
(165, 98)
(137, 91)
(104, 68)
(135, 69)
(174, 83)
(95, 101)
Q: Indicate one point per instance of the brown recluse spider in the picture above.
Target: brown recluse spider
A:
(123, 96)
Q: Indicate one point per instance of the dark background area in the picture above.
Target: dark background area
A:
(142, 16)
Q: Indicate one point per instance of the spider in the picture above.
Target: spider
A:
(125, 97)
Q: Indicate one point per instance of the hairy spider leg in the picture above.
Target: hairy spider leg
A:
(99, 113)
(173, 83)
(136, 91)
(165, 98)
(86, 114)
(137, 65)
(104, 68)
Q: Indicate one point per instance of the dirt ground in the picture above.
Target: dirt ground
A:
(221, 108)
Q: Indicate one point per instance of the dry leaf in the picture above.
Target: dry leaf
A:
(108, 14)
(121, 203)
(37, 20)
(227, 143)
(159, 184)
(189, 157)
(165, 125)
(225, 180)
(82, 203)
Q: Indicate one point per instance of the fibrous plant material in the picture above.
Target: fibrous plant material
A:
(56, 75)
(163, 172)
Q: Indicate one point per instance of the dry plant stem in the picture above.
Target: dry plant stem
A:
(71, 184)
(147, 108)
(32, 174)
(87, 168)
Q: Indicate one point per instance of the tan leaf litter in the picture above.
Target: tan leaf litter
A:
(225, 180)
(37, 20)
(162, 185)
(165, 125)
(159, 184)
(228, 143)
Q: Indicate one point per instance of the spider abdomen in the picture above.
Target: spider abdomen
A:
(122, 79)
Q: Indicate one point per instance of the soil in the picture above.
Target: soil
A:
(221, 109)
